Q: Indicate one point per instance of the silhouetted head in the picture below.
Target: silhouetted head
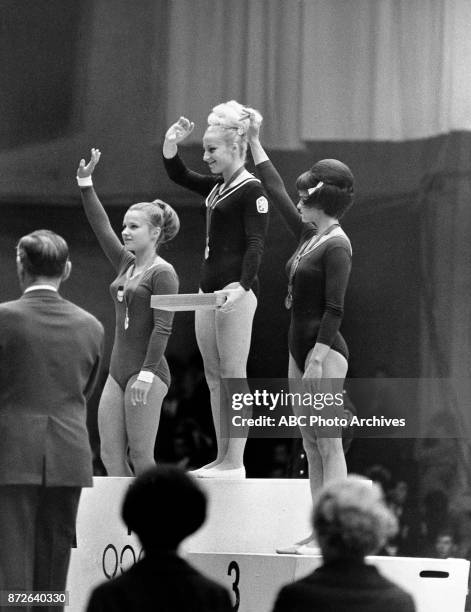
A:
(163, 506)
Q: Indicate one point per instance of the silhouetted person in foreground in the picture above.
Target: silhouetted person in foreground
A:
(163, 506)
(351, 521)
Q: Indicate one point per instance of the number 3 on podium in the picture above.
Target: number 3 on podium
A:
(233, 566)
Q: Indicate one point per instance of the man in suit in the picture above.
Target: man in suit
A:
(163, 506)
(50, 351)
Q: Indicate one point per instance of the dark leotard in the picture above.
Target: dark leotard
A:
(142, 344)
(320, 281)
(237, 228)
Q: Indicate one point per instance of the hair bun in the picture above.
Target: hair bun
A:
(235, 119)
(333, 172)
(231, 115)
(170, 221)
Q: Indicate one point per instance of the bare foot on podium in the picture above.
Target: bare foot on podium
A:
(306, 546)
(198, 471)
(223, 471)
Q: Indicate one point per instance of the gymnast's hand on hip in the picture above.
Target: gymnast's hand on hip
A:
(229, 298)
(139, 392)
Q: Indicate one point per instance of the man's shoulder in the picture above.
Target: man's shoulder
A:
(11, 310)
(83, 318)
(9, 306)
(21, 308)
(80, 312)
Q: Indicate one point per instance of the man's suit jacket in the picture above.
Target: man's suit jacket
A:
(344, 586)
(164, 582)
(50, 351)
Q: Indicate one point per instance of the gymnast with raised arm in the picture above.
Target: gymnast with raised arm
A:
(318, 274)
(139, 377)
(236, 224)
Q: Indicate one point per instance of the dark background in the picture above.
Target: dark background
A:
(76, 74)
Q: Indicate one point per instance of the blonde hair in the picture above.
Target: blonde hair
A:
(160, 214)
(233, 118)
(351, 519)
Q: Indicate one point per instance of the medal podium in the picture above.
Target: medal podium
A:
(247, 519)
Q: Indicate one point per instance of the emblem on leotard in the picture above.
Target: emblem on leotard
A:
(262, 204)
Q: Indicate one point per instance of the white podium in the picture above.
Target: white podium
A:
(244, 516)
(436, 585)
(247, 520)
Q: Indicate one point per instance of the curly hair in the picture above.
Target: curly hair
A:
(351, 519)
(233, 119)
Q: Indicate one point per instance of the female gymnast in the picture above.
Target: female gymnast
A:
(130, 406)
(236, 224)
(318, 274)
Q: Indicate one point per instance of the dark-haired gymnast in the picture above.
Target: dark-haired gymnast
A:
(318, 274)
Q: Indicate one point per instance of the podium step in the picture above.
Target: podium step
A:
(437, 585)
(104, 546)
(247, 520)
(255, 515)
(244, 516)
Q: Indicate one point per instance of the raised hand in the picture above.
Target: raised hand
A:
(179, 131)
(84, 169)
(255, 122)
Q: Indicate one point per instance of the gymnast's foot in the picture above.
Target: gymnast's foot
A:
(205, 467)
(222, 470)
(306, 546)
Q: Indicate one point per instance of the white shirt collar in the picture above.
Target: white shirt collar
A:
(39, 287)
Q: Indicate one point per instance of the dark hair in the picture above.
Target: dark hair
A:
(160, 214)
(43, 253)
(163, 506)
(336, 194)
